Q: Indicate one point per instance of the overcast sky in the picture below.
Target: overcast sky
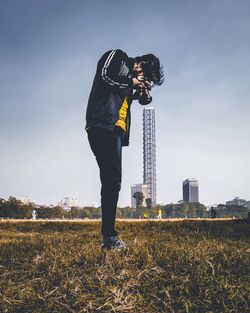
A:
(48, 55)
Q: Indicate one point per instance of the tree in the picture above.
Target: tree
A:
(51, 212)
(139, 198)
(149, 203)
(85, 213)
(92, 212)
(74, 212)
(169, 211)
(232, 211)
(3, 208)
(191, 209)
(14, 208)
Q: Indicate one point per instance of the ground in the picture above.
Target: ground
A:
(176, 266)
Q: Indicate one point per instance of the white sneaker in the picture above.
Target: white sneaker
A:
(113, 243)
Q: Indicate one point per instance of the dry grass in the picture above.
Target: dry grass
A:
(186, 266)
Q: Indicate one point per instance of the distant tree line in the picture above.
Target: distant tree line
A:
(192, 209)
(14, 208)
(237, 211)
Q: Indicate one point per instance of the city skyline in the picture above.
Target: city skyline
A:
(48, 56)
(236, 201)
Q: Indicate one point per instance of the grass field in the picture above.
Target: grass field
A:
(190, 266)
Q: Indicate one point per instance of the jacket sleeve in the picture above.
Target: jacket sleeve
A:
(110, 70)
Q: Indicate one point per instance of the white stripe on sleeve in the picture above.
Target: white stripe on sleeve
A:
(104, 72)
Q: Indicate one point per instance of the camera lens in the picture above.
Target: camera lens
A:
(145, 98)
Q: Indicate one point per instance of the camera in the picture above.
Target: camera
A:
(145, 97)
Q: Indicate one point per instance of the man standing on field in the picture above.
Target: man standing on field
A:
(118, 81)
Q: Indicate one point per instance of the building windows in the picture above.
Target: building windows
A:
(149, 166)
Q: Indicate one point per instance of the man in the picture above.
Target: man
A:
(118, 81)
(159, 214)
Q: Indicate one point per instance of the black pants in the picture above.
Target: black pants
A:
(107, 148)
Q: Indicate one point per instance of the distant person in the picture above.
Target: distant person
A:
(213, 213)
(34, 215)
(159, 214)
(145, 215)
(118, 81)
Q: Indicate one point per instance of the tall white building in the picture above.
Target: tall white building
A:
(149, 152)
(139, 188)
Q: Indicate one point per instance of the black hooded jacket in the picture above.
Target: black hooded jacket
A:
(112, 83)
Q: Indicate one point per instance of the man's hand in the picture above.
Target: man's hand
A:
(137, 94)
(146, 82)
(137, 84)
(141, 83)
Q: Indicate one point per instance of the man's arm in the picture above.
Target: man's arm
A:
(110, 70)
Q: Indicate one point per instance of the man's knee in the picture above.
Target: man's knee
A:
(109, 188)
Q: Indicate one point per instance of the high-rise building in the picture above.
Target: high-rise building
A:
(139, 188)
(149, 152)
(190, 190)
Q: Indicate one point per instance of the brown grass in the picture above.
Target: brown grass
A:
(187, 266)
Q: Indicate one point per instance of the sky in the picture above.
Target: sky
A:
(48, 55)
